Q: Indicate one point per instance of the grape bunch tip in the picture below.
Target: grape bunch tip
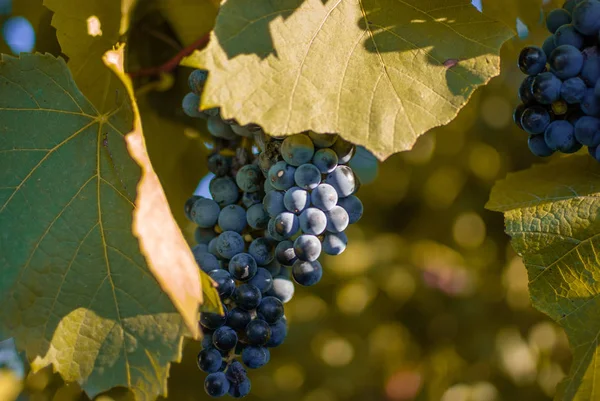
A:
(277, 204)
(560, 97)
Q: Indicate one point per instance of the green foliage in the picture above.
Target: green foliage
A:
(552, 213)
(380, 73)
(76, 291)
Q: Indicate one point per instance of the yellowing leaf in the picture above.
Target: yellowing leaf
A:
(190, 19)
(380, 73)
(552, 213)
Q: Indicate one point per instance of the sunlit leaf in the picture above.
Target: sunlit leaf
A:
(552, 213)
(381, 73)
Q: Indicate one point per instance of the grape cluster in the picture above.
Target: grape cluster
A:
(276, 203)
(560, 96)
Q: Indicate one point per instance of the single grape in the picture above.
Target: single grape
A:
(262, 251)
(247, 296)
(569, 5)
(557, 18)
(586, 17)
(218, 128)
(225, 338)
(263, 280)
(274, 267)
(197, 80)
(343, 180)
(322, 140)
(573, 90)
(242, 130)
(283, 288)
(337, 219)
(344, 150)
(18, 32)
(219, 165)
(257, 217)
(252, 198)
(274, 203)
(255, 357)
(334, 243)
(575, 146)
(546, 88)
(236, 373)
(213, 321)
(307, 176)
(187, 208)
(296, 199)
(549, 45)
(568, 35)
(216, 384)
(537, 146)
(297, 150)
(532, 60)
(191, 106)
(286, 224)
(594, 151)
(204, 235)
(242, 267)
(229, 244)
(587, 131)
(225, 283)
(326, 160)
(307, 273)
(281, 176)
(535, 120)
(590, 72)
(313, 221)
(285, 254)
(307, 248)
(324, 197)
(232, 218)
(249, 178)
(258, 332)
(238, 319)
(278, 333)
(559, 135)
(517, 114)
(590, 104)
(205, 212)
(209, 360)
(212, 248)
(206, 261)
(224, 191)
(271, 309)
(268, 187)
(566, 61)
(353, 207)
(272, 233)
(240, 390)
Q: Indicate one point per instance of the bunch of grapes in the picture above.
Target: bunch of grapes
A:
(276, 203)
(560, 96)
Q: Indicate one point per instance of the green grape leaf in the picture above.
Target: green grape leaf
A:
(552, 213)
(75, 288)
(86, 30)
(380, 73)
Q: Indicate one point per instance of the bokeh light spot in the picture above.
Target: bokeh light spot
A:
(355, 296)
(94, 27)
(289, 377)
(337, 351)
(469, 230)
(403, 385)
(19, 35)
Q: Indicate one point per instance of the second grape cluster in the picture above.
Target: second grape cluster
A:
(560, 96)
(276, 203)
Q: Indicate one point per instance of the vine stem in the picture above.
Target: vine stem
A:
(171, 64)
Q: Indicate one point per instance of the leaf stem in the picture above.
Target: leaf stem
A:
(171, 64)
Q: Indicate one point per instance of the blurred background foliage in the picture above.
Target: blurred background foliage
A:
(429, 302)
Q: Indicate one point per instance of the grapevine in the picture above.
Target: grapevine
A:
(560, 96)
(277, 204)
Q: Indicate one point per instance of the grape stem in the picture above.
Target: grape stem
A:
(172, 63)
